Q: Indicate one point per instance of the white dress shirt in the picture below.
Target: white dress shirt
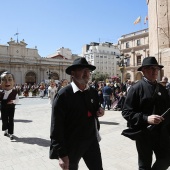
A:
(75, 88)
(7, 92)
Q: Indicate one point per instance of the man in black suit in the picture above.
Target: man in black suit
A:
(74, 122)
(144, 105)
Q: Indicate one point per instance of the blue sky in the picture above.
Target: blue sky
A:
(52, 24)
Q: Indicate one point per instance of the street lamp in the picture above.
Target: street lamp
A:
(122, 63)
(49, 73)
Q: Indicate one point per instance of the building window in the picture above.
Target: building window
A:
(127, 45)
(128, 76)
(128, 62)
(138, 60)
(138, 42)
(148, 53)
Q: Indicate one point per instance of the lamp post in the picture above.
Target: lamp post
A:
(122, 63)
(49, 73)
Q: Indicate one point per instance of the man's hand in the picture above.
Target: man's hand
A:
(155, 119)
(100, 112)
(64, 163)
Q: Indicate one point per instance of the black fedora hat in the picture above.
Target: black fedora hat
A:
(79, 62)
(149, 61)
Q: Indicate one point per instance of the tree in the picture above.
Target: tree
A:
(99, 76)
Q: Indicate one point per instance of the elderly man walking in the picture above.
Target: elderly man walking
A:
(74, 122)
(144, 105)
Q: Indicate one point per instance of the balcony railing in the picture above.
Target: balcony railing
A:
(134, 33)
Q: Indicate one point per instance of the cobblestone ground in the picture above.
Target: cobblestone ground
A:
(30, 148)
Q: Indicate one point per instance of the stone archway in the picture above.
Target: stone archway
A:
(30, 78)
(128, 76)
(55, 76)
(139, 76)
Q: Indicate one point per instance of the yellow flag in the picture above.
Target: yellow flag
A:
(137, 20)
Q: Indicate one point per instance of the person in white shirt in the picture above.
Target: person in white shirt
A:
(8, 98)
(52, 90)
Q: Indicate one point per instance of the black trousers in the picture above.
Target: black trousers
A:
(89, 150)
(7, 116)
(157, 143)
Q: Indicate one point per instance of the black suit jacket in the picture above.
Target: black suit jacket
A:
(70, 121)
(139, 104)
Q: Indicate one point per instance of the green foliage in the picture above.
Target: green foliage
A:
(99, 76)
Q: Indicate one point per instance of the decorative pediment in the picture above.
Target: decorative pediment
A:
(59, 56)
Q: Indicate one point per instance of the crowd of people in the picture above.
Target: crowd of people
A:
(111, 94)
(41, 89)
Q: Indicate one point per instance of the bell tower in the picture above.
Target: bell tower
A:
(159, 32)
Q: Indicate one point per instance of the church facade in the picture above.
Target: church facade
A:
(29, 67)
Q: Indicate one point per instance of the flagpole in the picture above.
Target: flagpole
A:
(17, 33)
(17, 37)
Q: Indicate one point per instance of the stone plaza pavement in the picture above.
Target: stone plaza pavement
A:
(30, 148)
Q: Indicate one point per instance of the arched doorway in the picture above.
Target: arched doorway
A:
(30, 78)
(128, 76)
(139, 75)
(55, 76)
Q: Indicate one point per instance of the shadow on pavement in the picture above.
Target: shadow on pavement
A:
(21, 120)
(108, 123)
(33, 141)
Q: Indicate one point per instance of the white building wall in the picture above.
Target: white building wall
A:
(103, 56)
